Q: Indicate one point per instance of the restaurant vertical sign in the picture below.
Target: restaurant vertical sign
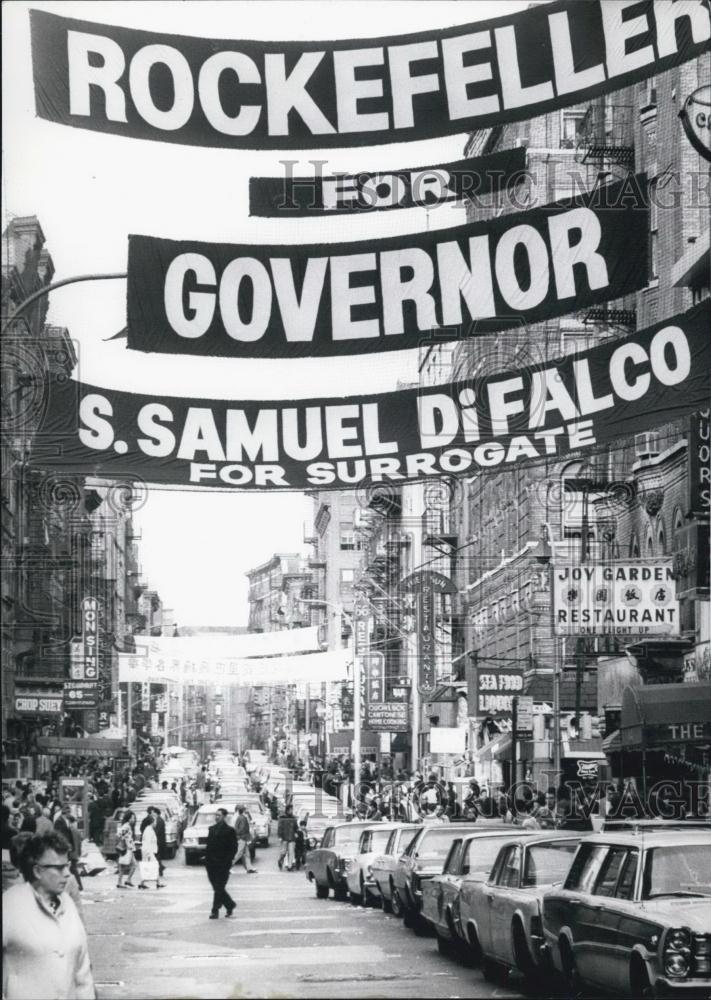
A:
(362, 620)
(85, 652)
(427, 587)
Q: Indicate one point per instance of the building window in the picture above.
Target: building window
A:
(350, 542)
(218, 710)
(653, 233)
(650, 542)
(347, 577)
(570, 127)
(218, 730)
(634, 547)
(661, 541)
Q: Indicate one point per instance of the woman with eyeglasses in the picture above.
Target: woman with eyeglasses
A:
(45, 949)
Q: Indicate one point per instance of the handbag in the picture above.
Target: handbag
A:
(149, 869)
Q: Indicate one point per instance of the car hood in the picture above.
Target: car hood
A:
(680, 911)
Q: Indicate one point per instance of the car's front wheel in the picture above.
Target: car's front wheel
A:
(396, 903)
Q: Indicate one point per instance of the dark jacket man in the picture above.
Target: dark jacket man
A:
(287, 827)
(220, 850)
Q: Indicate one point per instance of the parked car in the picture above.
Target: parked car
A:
(469, 861)
(319, 815)
(326, 864)
(359, 872)
(195, 838)
(384, 864)
(633, 916)
(166, 800)
(423, 859)
(501, 917)
(139, 809)
(254, 759)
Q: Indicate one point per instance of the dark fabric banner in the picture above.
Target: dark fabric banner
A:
(359, 92)
(367, 192)
(295, 301)
(539, 412)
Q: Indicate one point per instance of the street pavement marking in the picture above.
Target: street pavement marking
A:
(324, 954)
(260, 932)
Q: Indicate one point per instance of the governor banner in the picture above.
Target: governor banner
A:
(334, 194)
(354, 92)
(540, 412)
(294, 301)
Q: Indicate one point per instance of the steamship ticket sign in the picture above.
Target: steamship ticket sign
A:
(635, 597)
(540, 412)
(357, 92)
(326, 299)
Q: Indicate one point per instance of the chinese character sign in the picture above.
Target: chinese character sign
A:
(616, 598)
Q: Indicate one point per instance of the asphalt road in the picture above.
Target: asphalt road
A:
(280, 942)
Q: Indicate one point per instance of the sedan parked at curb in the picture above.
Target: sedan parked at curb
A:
(423, 859)
(633, 917)
(501, 916)
(384, 865)
(469, 861)
(326, 865)
(359, 871)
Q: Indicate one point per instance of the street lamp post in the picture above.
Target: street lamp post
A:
(544, 556)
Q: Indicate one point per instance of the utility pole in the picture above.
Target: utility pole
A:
(129, 717)
(514, 724)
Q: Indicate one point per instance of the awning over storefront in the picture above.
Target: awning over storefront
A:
(496, 748)
(658, 715)
(612, 743)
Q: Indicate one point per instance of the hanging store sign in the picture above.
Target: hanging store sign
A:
(388, 716)
(496, 690)
(34, 702)
(365, 192)
(699, 464)
(85, 654)
(295, 300)
(696, 119)
(426, 585)
(541, 412)
(81, 694)
(616, 598)
(375, 677)
(364, 91)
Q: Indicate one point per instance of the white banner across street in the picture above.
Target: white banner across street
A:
(147, 666)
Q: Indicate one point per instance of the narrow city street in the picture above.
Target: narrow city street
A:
(281, 942)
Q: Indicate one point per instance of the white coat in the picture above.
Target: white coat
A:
(45, 954)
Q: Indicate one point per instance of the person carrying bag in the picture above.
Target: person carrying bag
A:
(149, 856)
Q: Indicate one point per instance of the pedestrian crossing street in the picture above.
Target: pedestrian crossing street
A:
(281, 941)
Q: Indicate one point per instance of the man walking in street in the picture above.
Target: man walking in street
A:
(286, 832)
(244, 837)
(159, 827)
(219, 852)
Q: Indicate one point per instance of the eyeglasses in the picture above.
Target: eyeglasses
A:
(58, 868)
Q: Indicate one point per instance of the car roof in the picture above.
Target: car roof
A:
(455, 828)
(651, 838)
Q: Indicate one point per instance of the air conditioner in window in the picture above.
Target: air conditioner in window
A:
(11, 769)
(646, 445)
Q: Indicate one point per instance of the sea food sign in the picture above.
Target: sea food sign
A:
(616, 598)
(496, 690)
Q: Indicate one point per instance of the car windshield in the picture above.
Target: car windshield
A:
(678, 870)
(481, 855)
(548, 863)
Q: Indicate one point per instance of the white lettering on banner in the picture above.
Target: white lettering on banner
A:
(287, 93)
(194, 293)
(354, 431)
(307, 667)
